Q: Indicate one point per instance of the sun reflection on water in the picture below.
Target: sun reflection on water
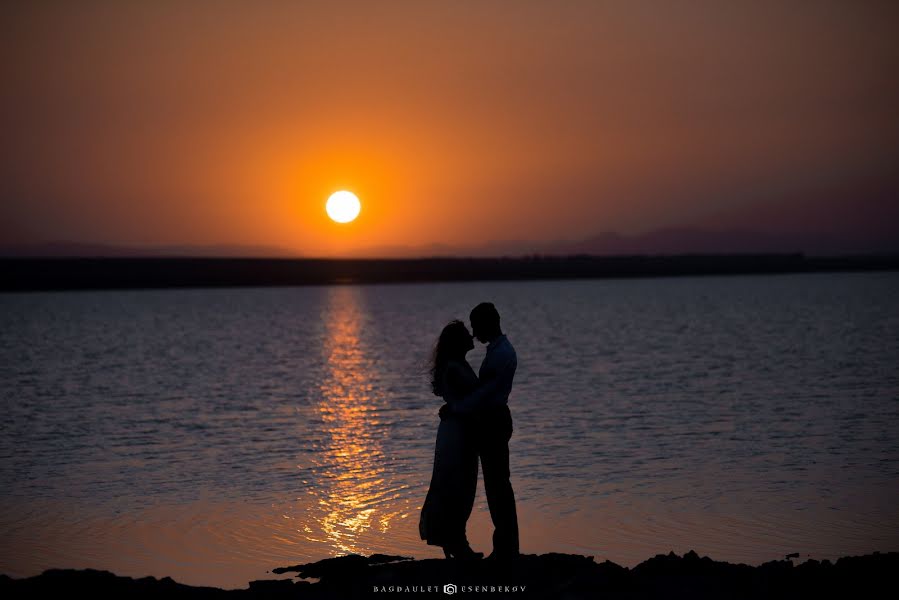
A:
(352, 464)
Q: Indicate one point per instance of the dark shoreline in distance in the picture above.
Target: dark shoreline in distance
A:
(44, 274)
(531, 576)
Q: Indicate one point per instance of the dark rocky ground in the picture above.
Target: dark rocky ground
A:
(556, 576)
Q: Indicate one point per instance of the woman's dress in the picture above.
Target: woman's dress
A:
(455, 477)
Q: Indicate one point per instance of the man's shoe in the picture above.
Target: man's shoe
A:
(502, 556)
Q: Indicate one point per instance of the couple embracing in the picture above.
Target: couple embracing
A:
(475, 423)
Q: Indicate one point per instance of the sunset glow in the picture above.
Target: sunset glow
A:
(561, 298)
(464, 132)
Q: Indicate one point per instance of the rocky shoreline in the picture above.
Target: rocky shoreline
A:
(557, 576)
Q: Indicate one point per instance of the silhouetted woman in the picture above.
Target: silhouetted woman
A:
(455, 478)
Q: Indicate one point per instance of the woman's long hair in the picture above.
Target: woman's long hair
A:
(453, 343)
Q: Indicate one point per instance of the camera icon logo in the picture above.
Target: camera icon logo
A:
(449, 588)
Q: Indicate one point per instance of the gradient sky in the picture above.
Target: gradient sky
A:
(149, 123)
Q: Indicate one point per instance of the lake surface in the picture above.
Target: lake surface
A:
(211, 435)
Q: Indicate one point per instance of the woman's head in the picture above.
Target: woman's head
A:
(454, 342)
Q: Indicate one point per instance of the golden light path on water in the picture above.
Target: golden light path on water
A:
(351, 496)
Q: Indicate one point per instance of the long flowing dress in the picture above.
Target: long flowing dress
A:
(455, 477)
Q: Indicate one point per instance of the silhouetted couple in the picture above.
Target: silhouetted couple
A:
(475, 422)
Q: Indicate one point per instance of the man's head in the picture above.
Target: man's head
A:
(485, 322)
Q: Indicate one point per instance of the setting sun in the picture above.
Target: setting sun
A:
(343, 206)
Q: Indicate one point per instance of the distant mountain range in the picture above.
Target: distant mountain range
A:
(86, 249)
(733, 241)
(670, 241)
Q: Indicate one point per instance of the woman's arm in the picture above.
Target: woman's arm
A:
(459, 380)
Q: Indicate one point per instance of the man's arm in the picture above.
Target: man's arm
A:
(487, 393)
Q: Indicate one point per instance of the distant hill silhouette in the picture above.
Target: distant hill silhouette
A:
(676, 241)
(62, 249)
(661, 242)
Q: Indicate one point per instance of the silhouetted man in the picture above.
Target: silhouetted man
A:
(489, 405)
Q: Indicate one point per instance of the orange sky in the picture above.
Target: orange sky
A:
(455, 123)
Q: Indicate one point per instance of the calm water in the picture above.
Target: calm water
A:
(211, 435)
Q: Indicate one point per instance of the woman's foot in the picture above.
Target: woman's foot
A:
(461, 552)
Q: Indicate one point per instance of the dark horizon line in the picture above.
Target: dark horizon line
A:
(665, 240)
(71, 273)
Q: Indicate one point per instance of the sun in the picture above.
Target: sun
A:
(343, 207)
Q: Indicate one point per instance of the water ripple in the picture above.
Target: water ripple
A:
(220, 431)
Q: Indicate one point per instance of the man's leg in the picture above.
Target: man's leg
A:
(494, 451)
(467, 484)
